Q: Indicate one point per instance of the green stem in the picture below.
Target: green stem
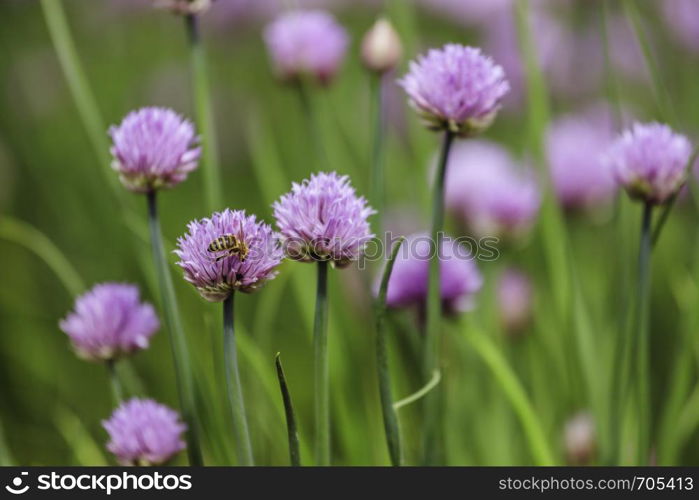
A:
(516, 395)
(390, 419)
(291, 428)
(643, 343)
(79, 87)
(420, 393)
(178, 342)
(378, 155)
(312, 121)
(660, 92)
(235, 387)
(434, 301)
(35, 241)
(117, 392)
(320, 367)
(205, 116)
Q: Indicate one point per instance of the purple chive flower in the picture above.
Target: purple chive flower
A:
(456, 88)
(682, 17)
(109, 322)
(153, 148)
(322, 218)
(460, 279)
(491, 194)
(650, 161)
(306, 43)
(514, 300)
(143, 432)
(580, 177)
(217, 274)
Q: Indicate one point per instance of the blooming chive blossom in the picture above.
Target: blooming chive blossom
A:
(217, 274)
(488, 191)
(322, 218)
(143, 432)
(153, 148)
(650, 161)
(109, 322)
(456, 88)
(580, 177)
(460, 279)
(306, 43)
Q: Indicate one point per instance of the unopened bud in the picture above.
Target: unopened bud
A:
(184, 7)
(381, 47)
(580, 439)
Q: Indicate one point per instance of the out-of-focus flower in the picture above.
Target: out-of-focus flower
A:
(468, 12)
(143, 432)
(580, 439)
(650, 161)
(488, 191)
(682, 17)
(184, 7)
(456, 88)
(381, 47)
(581, 177)
(322, 218)
(515, 300)
(109, 322)
(153, 148)
(306, 43)
(228, 252)
(460, 279)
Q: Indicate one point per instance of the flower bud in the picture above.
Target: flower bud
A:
(580, 439)
(381, 47)
(184, 7)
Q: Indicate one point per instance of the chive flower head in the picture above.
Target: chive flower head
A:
(322, 218)
(153, 148)
(143, 432)
(110, 322)
(229, 251)
(650, 161)
(456, 88)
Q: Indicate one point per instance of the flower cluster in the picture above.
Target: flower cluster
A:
(322, 218)
(109, 322)
(650, 161)
(153, 148)
(456, 88)
(306, 43)
(514, 300)
(143, 432)
(246, 259)
(488, 191)
(460, 279)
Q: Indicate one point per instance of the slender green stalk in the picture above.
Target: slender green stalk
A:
(434, 301)
(497, 363)
(390, 419)
(420, 393)
(178, 342)
(117, 391)
(235, 387)
(660, 92)
(611, 85)
(205, 116)
(378, 155)
(312, 121)
(5, 455)
(291, 428)
(321, 368)
(643, 342)
(79, 87)
(37, 242)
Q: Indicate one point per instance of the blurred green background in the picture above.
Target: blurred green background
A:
(51, 403)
